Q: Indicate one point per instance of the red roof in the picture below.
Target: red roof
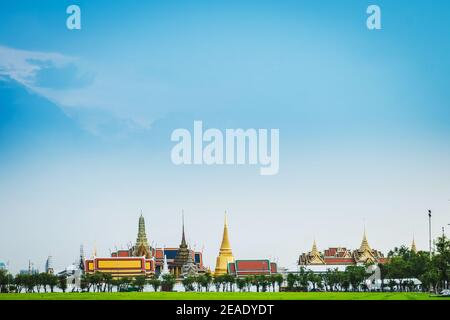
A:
(337, 260)
(252, 267)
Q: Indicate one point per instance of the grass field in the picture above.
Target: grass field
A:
(223, 296)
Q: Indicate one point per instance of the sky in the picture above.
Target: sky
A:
(86, 118)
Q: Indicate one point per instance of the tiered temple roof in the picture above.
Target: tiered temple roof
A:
(342, 256)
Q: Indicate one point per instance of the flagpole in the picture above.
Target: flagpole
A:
(429, 229)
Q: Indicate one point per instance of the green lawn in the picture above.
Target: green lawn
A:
(221, 296)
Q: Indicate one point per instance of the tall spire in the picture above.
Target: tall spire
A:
(413, 246)
(364, 243)
(314, 248)
(142, 248)
(225, 252)
(225, 240)
(183, 236)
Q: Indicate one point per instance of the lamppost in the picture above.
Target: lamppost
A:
(429, 230)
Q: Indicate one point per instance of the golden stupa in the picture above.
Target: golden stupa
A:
(225, 253)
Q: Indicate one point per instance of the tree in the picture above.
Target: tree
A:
(441, 261)
(20, 282)
(279, 280)
(188, 283)
(228, 282)
(85, 282)
(52, 282)
(139, 282)
(241, 284)
(314, 279)
(155, 283)
(263, 281)
(248, 282)
(208, 279)
(256, 283)
(356, 275)
(272, 280)
(125, 284)
(62, 283)
(6, 280)
(203, 281)
(107, 280)
(291, 281)
(168, 282)
(217, 282)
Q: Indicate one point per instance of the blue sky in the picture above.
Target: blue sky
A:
(86, 117)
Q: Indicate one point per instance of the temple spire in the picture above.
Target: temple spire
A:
(413, 246)
(225, 239)
(225, 253)
(364, 243)
(142, 248)
(314, 248)
(183, 236)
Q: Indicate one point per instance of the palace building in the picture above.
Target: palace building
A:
(142, 259)
(341, 256)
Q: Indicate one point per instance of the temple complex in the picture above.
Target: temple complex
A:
(341, 256)
(142, 259)
(225, 252)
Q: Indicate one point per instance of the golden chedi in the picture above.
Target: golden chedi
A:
(225, 253)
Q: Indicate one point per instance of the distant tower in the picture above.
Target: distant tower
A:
(413, 246)
(182, 253)
(49, 265)
(81, 262)
(142, 248)
(225, 253)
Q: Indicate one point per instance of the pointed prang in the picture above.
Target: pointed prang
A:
(225, 240)
(183, 236)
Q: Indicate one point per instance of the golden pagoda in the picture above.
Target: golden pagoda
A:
(225, 253)
(413, 246)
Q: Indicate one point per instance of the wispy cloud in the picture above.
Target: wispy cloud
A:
(24, 66)
(83, 91)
